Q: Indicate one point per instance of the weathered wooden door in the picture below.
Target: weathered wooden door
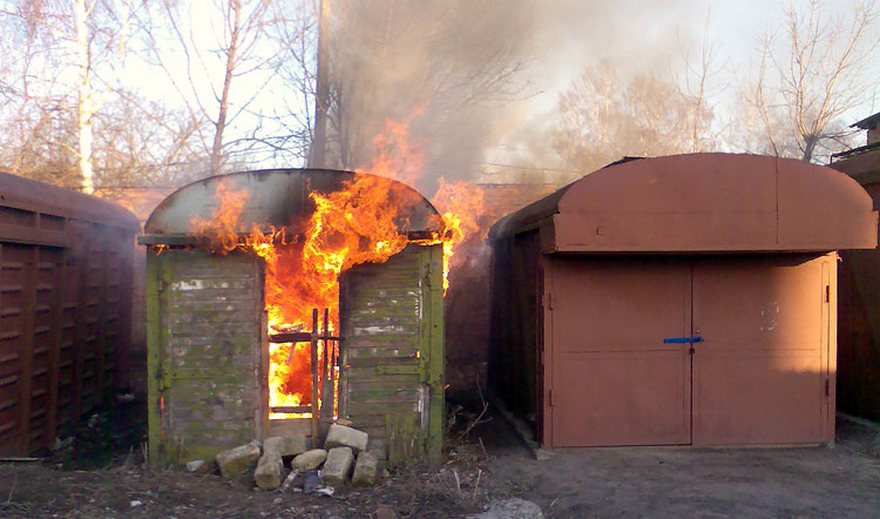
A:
(614, 381)
(391, 320)
(204, 342)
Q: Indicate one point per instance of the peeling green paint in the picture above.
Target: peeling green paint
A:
(205, 340)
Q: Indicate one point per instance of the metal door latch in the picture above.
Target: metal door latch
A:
(683, 340)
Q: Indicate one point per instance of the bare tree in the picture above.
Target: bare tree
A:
(208, 80)
(87, 36)
(697, 88)
(811, 73)
(603, 118)
(290, 127)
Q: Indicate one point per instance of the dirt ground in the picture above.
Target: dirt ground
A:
(839, 481)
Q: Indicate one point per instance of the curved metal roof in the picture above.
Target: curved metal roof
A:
(278, 197)
(29, 195)
(702, 203)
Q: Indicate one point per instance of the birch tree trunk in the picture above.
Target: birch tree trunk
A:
(85, 98)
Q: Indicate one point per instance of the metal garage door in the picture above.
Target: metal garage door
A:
(624, 372)
(761, 374)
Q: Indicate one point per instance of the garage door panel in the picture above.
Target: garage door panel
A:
(759, 303)
(614, 380)
(597, 301)
(755, 400)
(759, 377)
(630, 398)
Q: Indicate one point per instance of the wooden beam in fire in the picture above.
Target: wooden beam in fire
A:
(313, 343)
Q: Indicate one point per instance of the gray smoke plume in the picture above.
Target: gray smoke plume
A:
(473, 76)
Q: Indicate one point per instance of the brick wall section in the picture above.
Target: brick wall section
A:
(211, 315)
(503, 199)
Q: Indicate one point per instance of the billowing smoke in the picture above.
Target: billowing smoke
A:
(477, 80)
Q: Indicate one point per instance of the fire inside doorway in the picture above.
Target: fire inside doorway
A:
(281, 300)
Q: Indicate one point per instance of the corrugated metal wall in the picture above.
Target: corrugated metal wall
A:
(65, 314)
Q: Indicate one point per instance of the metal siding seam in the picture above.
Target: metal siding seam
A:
(27, 349)
(55, 351)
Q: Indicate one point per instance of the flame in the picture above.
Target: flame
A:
(460, 204)
(362, 222)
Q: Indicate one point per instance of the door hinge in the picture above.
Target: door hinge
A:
(827, 387)
(827, 293)
(550, 396)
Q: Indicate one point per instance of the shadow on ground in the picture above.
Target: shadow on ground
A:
(842, 480)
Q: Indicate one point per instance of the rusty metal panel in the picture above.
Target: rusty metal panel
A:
(614, 381)
(29, 328)
(38, 213)
(516, 316)
(702, 203)
(762, 375)
(65, 298)
(858, 380)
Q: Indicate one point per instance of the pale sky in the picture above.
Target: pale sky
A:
(634, 35)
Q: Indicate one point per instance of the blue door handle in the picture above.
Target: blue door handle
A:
(683, 340)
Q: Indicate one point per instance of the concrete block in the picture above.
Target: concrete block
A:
(365, 470)
(309, 460)
(195, 465)
(289, 445)
(268, 473)
(338, 466)
(513, 508)
(234, 462)
(342, 436)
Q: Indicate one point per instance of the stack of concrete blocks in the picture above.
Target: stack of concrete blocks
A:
(344, 457)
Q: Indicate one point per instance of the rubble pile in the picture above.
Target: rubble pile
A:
(282, 462)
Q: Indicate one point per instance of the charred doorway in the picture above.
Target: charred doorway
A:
(281, 300)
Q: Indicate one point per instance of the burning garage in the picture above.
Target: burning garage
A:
(677, 300)
(282, 300)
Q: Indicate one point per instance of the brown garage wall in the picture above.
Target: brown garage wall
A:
(756, 236)
(516, 324)
(858, 382)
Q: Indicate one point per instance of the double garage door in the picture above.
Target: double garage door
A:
(703, 351)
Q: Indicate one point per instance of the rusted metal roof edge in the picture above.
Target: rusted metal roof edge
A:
(39, 197)
(308, 175)
(816, 208)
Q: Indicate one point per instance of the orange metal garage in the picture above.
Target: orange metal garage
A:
(677, 300)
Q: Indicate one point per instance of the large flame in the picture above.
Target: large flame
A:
(461, 205)
(360, 223)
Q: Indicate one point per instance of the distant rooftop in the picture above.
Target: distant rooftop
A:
(868, 123)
